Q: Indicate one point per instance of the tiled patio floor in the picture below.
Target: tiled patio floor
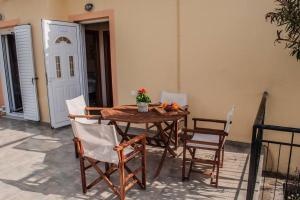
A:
(37, 162)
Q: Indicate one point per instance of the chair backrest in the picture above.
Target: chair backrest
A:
(169, 97)
(77, 106)
(97, 140)
(229, 119)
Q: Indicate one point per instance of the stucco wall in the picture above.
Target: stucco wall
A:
(146, 44)
(228, 57)
(219, 52)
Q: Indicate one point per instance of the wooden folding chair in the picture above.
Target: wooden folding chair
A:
(206, 139)
(98, 143)
(77, 107)
(181, 100)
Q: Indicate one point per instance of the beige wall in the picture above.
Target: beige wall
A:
(224, 54)
(146, 43)
(228, 57)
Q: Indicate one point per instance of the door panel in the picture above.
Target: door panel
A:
(26, 70)
(64, 72)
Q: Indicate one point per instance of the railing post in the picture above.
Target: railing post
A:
(256, 146)
(252, 178)
(257, 135)
(258, 152)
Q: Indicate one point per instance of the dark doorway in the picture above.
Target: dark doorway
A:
(93, 68)
(99, 64)
(12, 73)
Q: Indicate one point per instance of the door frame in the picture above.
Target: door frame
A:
(80, 66)
(110, 17)
(102, 66)
(6, 27)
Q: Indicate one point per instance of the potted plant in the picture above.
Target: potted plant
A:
(142, 100)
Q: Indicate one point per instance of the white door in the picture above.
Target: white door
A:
(63, 67)
(26, 70)
(27, 74)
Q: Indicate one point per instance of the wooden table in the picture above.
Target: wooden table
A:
(130, 115)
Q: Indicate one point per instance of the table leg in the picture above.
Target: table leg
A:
(166, 137)
(126, 131)
(167, 147)
(168, 130)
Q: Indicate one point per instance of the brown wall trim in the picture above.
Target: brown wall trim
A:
(109, 14)
(9, 23)
(91, 16)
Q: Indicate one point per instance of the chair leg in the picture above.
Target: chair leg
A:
(213, 169)
(192, 163)
(144, 165)
(76, 148)
(222, 160)
(176, 135)
(122, 176)
(218, 168)
(184, 162)
(83, 177)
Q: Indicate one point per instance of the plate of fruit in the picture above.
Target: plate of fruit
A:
(170, 107)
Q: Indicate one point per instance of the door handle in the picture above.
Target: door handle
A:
(34, 79)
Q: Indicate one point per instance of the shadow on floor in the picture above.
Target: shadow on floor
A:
(39, 163)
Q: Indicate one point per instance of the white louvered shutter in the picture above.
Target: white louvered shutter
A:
(27, 72)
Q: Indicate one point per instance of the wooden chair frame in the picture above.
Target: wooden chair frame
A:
(126, 181)
(218, 148)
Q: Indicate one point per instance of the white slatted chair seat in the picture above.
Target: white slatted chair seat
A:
(98, 141)
(204, 138)
(210, 137)
(77, 106)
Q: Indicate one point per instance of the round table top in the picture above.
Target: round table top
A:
(129, 113)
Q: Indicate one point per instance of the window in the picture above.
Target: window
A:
(71, 61)
(58, 68)
(62, 39)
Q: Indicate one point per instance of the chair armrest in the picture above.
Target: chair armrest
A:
(88, 109)
(136, 139)
(206, 131)
(85, 116)
(93, 108)
(210, 120)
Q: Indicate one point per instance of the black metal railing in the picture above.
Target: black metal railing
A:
(290, 182)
